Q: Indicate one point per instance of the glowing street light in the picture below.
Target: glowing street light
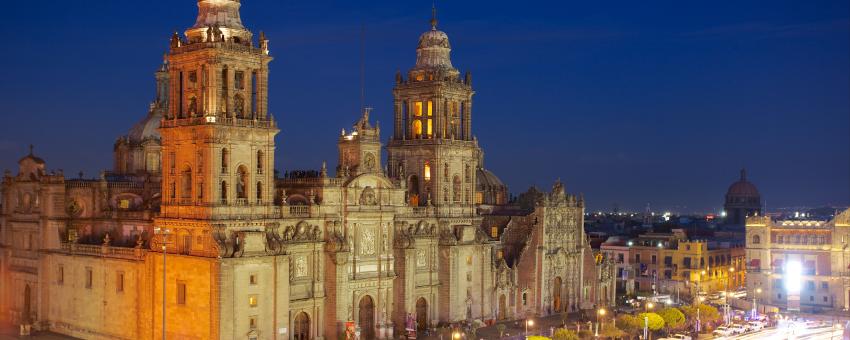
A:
(456, 335)
(600, 312)
(528, 323)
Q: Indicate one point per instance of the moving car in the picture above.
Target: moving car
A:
(738, 329)
(755, 325)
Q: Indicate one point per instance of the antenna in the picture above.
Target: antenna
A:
(362, 66)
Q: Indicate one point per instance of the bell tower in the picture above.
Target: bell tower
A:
(432, 146)
(217, 136)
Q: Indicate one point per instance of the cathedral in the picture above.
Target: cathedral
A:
(194, 235)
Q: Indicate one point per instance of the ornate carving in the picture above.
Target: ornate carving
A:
(367, 242)
(421, 260)
(300, 266)
(367, 197)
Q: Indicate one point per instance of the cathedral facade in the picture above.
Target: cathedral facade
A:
(193, 235)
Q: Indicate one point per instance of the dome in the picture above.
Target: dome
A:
(485, 179)
(743, 188)
(434, 50)
(147, 128)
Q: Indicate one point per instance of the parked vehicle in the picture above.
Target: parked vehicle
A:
(755, 326)
(722, 331)
(738, 329)
(681, 337)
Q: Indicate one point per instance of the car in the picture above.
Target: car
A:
(738, 329)
(681, 337)
(722, 331)
(755, 325)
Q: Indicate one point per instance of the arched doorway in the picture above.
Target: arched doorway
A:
(413, 190)
(25, 313)
(502, 307)
(421, 314)
(556, 295)
(367, 318)
(301, 328)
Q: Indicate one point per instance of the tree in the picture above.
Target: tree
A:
(655, 321)
(673, 318)
(629, 323)
(707, 314)
(501, 328)
(585, 334)
(564, 334)
(609, 331)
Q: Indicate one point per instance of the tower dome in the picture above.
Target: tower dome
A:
(434, 50)
(743, 188)
(742, 200)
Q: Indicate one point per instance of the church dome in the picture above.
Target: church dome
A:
(486, 179)
(434, 50)
(489, 189)
(743, 188)
(147, 128)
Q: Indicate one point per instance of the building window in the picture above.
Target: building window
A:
(89, 277)
(654, 259)
(469, 259)
(494, 232)
(181, 293)
(252, 301)
(239, 79)
(756, 239)
(524, 298)
(824, 285)
(252, 322)
(825, 299)
(253, 279)
(637, 258)
(119, 282)
(427, 171)
(60, 275)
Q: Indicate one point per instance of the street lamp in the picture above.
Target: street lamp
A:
(755, 302)
(456, 335)
(163, 232)
(726, 295)
(648, 306)
(528, 323)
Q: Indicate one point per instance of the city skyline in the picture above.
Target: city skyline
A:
(621, 118)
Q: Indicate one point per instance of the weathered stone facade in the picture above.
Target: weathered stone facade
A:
(194, 217)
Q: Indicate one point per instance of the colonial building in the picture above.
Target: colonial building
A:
(192, 235)
(800, 265)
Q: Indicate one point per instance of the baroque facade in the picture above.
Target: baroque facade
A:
(193, 235)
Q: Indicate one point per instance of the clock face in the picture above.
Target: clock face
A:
(369, 162)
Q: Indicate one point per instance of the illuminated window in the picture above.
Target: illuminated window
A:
(124, 204)
(430, 108)
(181, 293)
(430, 128)
(494, 232)
(417, 109)
(417, 128)
(420, 77)
(500, 254)
(427, 171)
(469, 259)
(252, 301)
(479, 198)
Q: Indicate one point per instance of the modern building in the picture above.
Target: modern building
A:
(192, 235)
(798, 264)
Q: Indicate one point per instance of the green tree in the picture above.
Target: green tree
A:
(501, 328)
(673, 318)
(608, 330)
(585, 334)
(655, 321)
(564, 334)
(629, 323)
(707, 314)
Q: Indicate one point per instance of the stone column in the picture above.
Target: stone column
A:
(438, 111)
(399, 132)
(467, 120)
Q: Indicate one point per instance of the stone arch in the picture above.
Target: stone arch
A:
(26, 312)
(366, 317)
(242, 182)
(756, 239)
(421, 314)
(456, 189)
(301, 326)
(556, 294)
(413, 190)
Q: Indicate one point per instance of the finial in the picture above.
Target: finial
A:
(31, 149)
(434, 15)
(743, 174)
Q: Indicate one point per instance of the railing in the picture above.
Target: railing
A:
(227, 45)
(103, 250)
(239, 122)
(241, 201)
(299, 210)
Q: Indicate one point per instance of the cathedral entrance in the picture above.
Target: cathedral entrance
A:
(25, 313)
(301, 327)
(556, 295)
(367, 318)
(503, 306)
(421, 314)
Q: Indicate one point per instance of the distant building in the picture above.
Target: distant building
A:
(816, 250)
(742, 200)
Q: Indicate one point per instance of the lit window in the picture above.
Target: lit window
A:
(494, 232)
(469, 259)
(417, 109)
(430, 108)
(252, 301)
(181, 293)
(124, 204)
(427, 171)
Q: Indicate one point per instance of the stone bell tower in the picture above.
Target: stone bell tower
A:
(217, 137)
(360, 150)
(433, 147)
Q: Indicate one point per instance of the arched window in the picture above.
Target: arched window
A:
(756, 239)
(223, 192)
(259, 192)
(242, 183)
(427, 171)
(260, 162)
(186, 182)
(456, 188)
(225, 159)
(417, 128)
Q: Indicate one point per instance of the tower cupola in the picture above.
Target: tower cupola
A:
(219, 20)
